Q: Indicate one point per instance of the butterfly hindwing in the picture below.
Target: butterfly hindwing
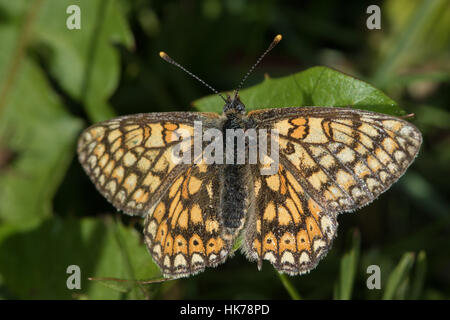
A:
(287, 227)
(184, 230)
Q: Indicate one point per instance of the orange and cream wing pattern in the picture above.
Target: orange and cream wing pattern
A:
(183, 231)
(130, 159)
(343, 157)
(287, 226)
(330, 160)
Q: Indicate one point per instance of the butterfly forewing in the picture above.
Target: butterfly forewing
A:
(130, 159)
(344, 157)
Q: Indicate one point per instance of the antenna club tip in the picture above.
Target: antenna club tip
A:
(278, 38)
(163, 55)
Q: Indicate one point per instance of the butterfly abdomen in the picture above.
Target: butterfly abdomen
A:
(234, 196)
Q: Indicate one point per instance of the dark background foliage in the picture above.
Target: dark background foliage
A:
(54, 82)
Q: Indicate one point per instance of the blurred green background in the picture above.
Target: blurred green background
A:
(55, 81)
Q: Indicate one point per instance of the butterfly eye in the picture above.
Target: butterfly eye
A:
(240, 107)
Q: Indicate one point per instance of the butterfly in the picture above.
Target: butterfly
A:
(330, 160)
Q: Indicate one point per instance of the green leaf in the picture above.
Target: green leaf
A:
(398, 276)
(420, 32)
(85, 62)
(418, 278)
(238, 243)
(349, 265)
(92, 244)
(34, 126)
(36, 130)
(317, 86)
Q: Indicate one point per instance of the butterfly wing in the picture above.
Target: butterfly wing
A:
(344, 157)
(331, 160)
(287, 226)
(183, 231)
(130, 159)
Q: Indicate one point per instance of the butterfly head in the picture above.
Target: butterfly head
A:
(233, 105)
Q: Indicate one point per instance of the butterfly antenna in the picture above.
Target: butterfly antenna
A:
(272, 45)
(166, 57)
